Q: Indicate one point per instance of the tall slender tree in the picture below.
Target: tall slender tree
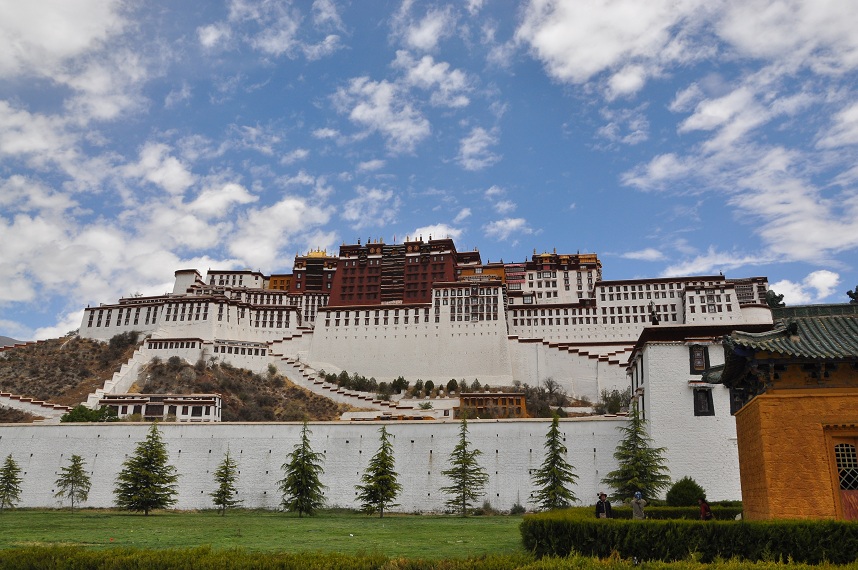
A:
(10, 483)
(467, 476)
(226, 476)
(147, 481)
(301, 488)
(641, 467)
(380, 486)
(556, 476)
(73, 481)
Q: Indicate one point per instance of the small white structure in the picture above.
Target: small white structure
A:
(158, 407)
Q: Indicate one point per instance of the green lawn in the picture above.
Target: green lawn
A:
(412, 536)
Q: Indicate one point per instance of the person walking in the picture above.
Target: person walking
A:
(638, 504)
(603, 507)
(705, 511)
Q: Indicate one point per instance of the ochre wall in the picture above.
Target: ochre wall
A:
(784, 461)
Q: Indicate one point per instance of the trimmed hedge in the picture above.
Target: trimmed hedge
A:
(812, 542)
(205, 558)
(681, 513)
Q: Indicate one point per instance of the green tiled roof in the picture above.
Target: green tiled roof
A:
(817, 337)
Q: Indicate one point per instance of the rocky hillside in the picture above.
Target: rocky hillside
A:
(247, 396)
(65, 370)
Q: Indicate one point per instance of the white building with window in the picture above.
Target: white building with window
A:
(691, 419)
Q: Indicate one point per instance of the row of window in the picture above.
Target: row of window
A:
(240, 350)
(172, 344)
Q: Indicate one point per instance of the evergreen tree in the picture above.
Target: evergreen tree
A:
(10, 483)
(146, 481)
(226, 476)
(641, 467)
(301, 488)
(554, 479)
(73, 481)
(380, 487)
(468, 478)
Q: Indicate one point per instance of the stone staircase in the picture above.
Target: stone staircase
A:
(121, 380)
(51, 412)
(306, 377)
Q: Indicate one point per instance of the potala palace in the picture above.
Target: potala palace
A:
(424, 310)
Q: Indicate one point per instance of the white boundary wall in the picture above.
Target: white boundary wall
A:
(510, 449)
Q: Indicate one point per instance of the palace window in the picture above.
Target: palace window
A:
(699, 358)
(703, 402)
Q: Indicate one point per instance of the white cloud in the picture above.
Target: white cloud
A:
(37, 37)
(212, 35)
(816, 33)
(463, 214)
(265, 232)
(216, 201)
(505, 206)
(294, 156)
(175, 96)
(474, 149)
(325, 14)
(816, 287)
(326, 47)
(437, 231)
(326, 133)
(67, 322)
(648, 254)
(431, 29)
(371, 207)
(627, 126)
(381, 107)
(844, 130)
(714, 261)
(661, 169)
(577, 40)
(158, 167)
(370, 165)
(506, 228)
(494, 191)
(448, 86)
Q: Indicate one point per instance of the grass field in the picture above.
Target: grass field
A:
(411, 536)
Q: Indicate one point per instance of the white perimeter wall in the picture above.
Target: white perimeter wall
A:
(510, 449)
(701, 447)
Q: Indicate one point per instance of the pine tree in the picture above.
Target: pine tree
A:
(73, 482)
(467, 476)
(146, 481)
(301, 488)
(554, 479)
(381, 487)
(226, 476)
(641, 467)
(10, 483)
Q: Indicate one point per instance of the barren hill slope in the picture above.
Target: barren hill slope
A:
(65, 370)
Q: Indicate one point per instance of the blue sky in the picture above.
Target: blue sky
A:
(671, 137)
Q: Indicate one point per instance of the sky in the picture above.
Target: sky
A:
(670, 137)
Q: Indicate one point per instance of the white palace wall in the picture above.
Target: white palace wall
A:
(510, 451)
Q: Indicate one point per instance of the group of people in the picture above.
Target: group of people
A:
(603, 507)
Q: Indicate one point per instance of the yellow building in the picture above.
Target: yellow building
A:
(795, 392)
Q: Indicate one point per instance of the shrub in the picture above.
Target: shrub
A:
(684, 493)
(811, 542)
(452, 386)
(517, 509)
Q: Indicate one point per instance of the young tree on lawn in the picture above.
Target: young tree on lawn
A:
(301, 488)
(381, 487)
(641, 467)
(554, 479)
(146, 481)
(226, 476)
(10, 483)
(468, 478)
(73, 482)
